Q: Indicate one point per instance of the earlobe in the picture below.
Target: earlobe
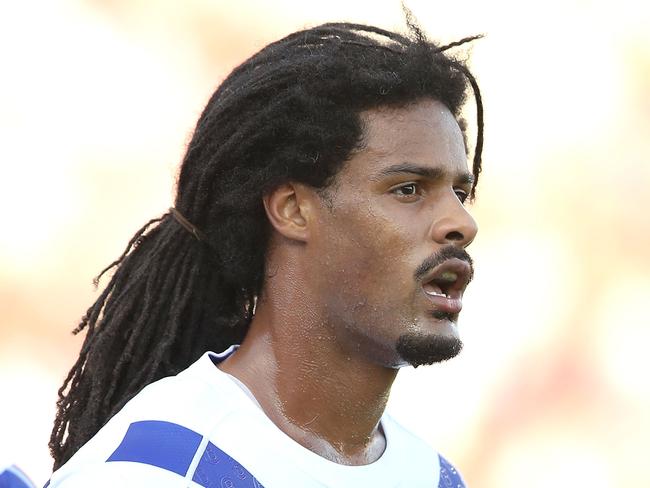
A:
(288, 209)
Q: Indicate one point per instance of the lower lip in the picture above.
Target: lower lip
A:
(444, 304)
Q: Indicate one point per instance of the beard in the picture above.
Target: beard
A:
(417, 350)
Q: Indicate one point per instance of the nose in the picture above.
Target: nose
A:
(453, 224)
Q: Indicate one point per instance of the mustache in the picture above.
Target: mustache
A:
(440, 257)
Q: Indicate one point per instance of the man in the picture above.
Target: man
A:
(320, 223)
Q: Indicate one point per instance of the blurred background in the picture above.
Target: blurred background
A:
(98, 99)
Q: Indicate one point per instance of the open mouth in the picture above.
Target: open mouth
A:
(445, 284)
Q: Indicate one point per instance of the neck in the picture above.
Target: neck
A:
(315, 391)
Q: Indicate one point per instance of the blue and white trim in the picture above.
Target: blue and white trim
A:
(176, 448)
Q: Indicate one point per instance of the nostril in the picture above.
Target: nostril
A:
(454, 236)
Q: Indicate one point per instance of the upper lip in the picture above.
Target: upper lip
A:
(455, 288)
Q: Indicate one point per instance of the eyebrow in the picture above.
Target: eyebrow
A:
(427, 172)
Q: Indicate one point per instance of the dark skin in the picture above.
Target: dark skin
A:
(320, 354)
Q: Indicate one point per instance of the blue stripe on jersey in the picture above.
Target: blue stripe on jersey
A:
(449, 477)
(12, 477)
(217, 469)
(162, 444)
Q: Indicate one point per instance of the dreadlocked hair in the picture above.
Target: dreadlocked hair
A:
(289, 113)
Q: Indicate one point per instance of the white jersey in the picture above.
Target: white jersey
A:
(202, 428)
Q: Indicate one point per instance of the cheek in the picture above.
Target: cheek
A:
(368, 257)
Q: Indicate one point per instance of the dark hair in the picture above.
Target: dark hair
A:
(289, 113)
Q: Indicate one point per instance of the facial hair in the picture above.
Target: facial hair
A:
(417, 350)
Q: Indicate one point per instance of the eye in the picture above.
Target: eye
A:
(461, 194)
(407, 190)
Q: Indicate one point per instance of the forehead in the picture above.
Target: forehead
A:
(425, 133)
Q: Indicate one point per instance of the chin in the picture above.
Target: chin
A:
(416, 350)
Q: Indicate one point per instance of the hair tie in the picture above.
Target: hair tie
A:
(189, 226)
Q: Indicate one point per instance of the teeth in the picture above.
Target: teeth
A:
(437, 294)
(449, 276)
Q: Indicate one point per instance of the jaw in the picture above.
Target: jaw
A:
(432, 338)
(417, 350)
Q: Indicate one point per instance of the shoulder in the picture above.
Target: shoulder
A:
(420, 453)
(196, 398)
(157, 435)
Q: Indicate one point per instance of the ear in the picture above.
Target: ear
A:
(290, 209)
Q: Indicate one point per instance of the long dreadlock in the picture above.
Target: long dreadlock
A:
(289, 113)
